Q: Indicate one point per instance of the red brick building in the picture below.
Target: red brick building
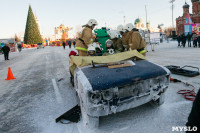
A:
(195, 16)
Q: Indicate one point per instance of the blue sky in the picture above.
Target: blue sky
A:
(74, 13)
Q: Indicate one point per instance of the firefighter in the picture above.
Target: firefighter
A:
(85, 38)
(134, 39)
(117, 41)
(91, 50)
(123, 32)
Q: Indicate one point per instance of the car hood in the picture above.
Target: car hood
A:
(103, 78)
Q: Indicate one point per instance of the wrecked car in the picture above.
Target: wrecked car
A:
(114, 83)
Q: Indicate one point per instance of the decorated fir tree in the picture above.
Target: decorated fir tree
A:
(32, 33)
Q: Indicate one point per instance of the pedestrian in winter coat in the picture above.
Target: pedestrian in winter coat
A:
(74, 43)
(183, 39)
(6, 51)
(194, 117)
(198, 40)
(69, 43)
(194, 40)
(19, 47)
(179, 40)
(85, 38)
(63, 44)
(189, 37)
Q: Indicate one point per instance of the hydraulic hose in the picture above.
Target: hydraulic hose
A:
(188, 94)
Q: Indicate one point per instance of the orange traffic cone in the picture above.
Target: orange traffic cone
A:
(10, 75)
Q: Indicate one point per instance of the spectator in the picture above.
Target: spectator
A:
(74, 43)
(183, 39)
(194, 40)
(179, 40)
(198, 39)
(69, 43)
(189, 37)
(19, 47)
(6, 51)
(63, 44)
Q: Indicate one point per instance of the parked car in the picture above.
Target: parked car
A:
(40, 45)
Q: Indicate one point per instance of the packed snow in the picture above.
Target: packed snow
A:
(32, 102)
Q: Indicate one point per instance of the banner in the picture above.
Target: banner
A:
(196, 28)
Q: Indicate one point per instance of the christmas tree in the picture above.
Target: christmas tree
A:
(32, 33)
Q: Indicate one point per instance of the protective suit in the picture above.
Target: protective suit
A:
(83, 41)
(85, 38)
(136, 41)
(117, 43)
(125, 38)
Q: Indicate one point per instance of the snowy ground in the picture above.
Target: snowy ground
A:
(32, 102)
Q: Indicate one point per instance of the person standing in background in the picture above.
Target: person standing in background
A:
(74, 43)
(194, 40)
(6, 51)
(179, 40)
(198, 40)
(189, 37)
(183, 38)
(69, 43)
(19, 47)
(63, 44)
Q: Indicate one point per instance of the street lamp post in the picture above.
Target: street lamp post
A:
(172, 1)
(124, 20)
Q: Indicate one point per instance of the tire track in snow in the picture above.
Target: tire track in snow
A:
(57, 92)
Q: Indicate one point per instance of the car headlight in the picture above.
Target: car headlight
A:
(95, 98)
(107, 95)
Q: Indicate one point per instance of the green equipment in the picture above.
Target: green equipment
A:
(102, 37)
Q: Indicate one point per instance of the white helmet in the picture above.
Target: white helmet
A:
(92, 22)
(91, 47)
(117, 35)
(111, 34)
(129, 26)
(120, 28)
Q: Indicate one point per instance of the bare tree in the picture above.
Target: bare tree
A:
(168, 31)
(16, 38)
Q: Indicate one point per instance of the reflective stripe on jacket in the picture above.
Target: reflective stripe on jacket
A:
(86, 37)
